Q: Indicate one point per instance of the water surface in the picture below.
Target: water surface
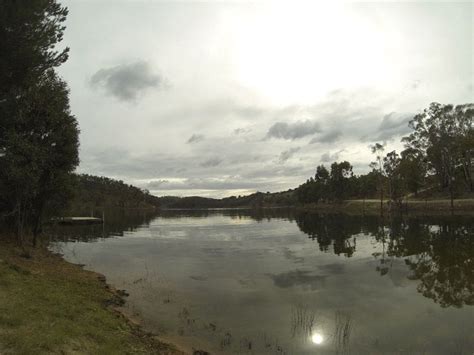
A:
(280, 282)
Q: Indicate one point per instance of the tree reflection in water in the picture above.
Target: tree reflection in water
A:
(439, 251)
(441, 256)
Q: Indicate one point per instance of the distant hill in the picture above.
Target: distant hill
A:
(258, 199)
(93, 192)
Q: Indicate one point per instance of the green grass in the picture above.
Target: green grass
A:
(48, 306)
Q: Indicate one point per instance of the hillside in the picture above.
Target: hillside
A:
(257, 199)
(101, 192)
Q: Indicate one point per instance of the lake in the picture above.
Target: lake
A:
(278, 281)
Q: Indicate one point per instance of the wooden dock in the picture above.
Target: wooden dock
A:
(77, 220)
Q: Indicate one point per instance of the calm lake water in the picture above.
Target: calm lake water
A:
(281, 282)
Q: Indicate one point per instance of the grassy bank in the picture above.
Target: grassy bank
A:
(48, 306)
(408, 206)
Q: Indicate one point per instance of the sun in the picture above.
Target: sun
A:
(296, 52)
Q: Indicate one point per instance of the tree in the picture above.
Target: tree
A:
(42, 151)
(443, 134)
(367, 185)
(38, 134)
(465, 141)
(322, 174)
(413, 169)
(29, 33)
(340, 174)
(321, 184)
(391, 167)
(377, 166)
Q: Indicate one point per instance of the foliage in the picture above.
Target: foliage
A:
(339, 177)
(38, 135)
(255, 200)
(391, 169)
(29, 33)
(92, 192)
(443, 135)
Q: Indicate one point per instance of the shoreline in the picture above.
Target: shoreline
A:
(76, 308)
(368, 206)
(408, 207)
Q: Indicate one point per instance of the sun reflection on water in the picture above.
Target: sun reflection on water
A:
(317, 338)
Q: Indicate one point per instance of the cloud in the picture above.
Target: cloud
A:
(295, 130)
(207, 183)
(329, 137)
(126, 82)
(287, 154)
(415, 84)
(328, 157)
(242, 131)
(195, 138)
(158, 184)
(210, 163)
(393, 125)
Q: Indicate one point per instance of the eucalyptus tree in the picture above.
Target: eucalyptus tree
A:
(377, 166)
(443, 134)
(321, 183)
(391, 168)
(464, 116)
(339, 178)
(413, 168)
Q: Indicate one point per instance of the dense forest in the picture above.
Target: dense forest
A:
(257, 199)
(93, 192)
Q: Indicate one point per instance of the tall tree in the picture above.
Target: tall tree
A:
(38, 134)
(340, 174)
(413, 169)
(464, 116)
(443, 134)
(29, 32)
(391, 166)
(377, 166)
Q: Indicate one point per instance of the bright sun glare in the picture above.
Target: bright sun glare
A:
(297, 53)
(317, 338)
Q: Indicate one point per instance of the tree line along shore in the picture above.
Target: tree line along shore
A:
(434, 172)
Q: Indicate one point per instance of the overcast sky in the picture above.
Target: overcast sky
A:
(220, 98)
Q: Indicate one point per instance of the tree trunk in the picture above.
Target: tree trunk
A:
(381, 196)
(37, 219)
